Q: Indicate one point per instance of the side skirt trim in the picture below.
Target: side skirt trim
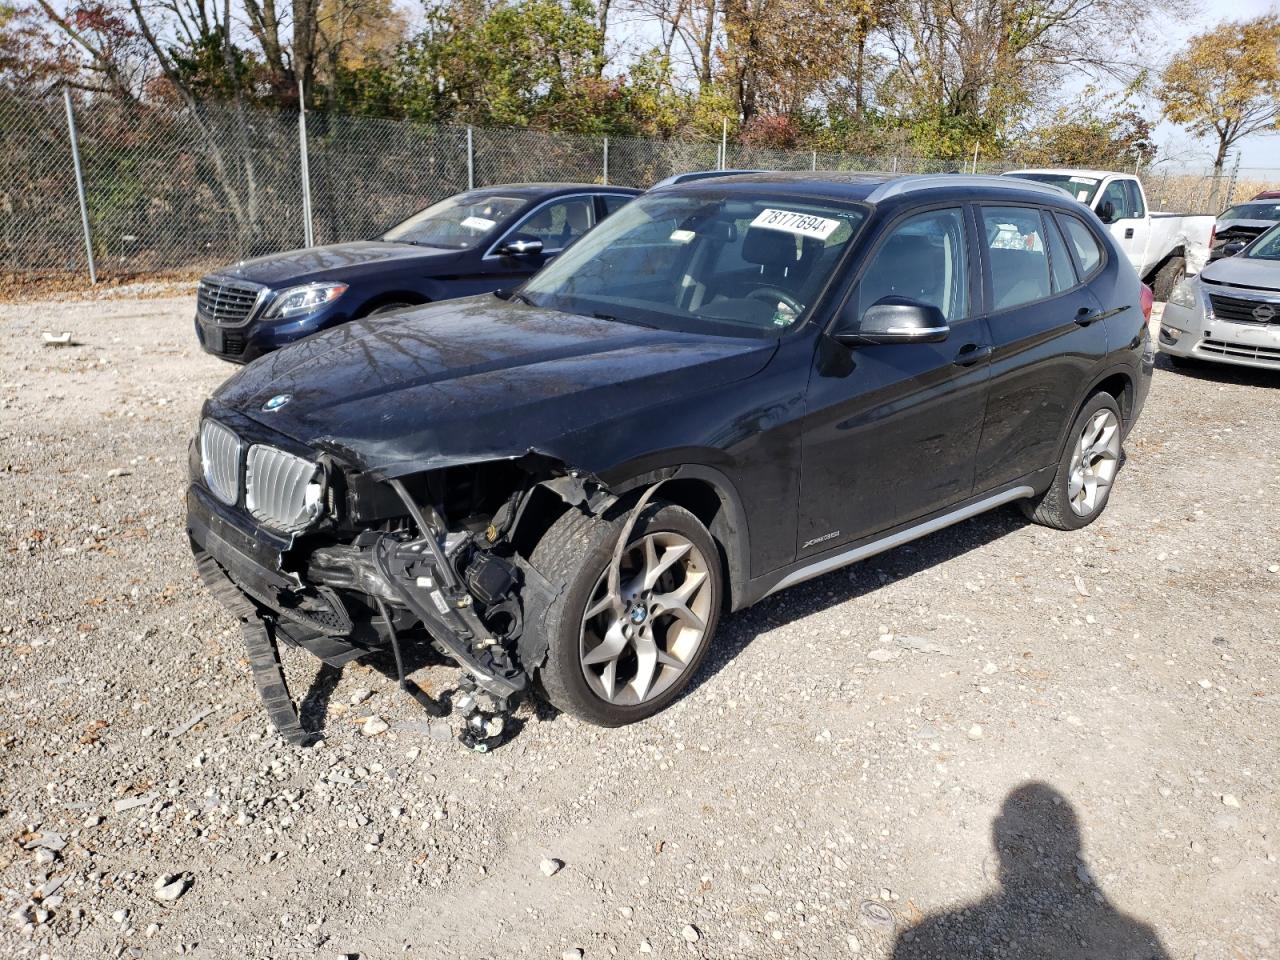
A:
(827, 564)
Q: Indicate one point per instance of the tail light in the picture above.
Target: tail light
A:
(1148, 301)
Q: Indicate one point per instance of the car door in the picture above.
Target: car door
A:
(1045, 332)
(892, 432)
(554, 224)
(1127, 223)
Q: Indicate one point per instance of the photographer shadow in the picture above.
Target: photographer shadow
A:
(1048, 907)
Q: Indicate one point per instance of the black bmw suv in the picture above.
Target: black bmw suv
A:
(729, 387)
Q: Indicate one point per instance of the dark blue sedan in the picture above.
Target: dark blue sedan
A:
(474, 242)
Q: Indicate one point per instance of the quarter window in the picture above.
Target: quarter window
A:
(1082, 240)
(1014, 238)
(924, 259)
(1064, 271)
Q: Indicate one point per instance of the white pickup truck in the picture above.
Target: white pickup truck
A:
(1163, 247)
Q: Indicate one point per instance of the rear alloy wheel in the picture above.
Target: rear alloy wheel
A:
(618, 656)
(1088, 468)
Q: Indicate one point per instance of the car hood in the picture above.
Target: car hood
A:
(1221, 225)
(1245, 272)
(481, 379)
(336, 261)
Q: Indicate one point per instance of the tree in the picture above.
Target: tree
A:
(1226, 85)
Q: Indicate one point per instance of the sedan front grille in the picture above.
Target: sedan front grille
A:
(1241, 351)
(1239, 310)
(226, 303)
(280, 490)
(220, 454)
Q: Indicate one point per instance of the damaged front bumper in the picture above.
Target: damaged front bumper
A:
(342, 600)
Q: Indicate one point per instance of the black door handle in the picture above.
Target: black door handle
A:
(970, 354)
(1128, 233)
(1084, 317)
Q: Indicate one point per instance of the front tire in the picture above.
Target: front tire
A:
(1082, 485)
(617, 659)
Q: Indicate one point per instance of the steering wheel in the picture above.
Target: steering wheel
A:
(772, 295)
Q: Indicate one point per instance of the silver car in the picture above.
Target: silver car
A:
(1230, 311)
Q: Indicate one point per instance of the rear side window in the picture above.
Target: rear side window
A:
(1082, 240)
(1064, 271)
(1016, 251)
(924, 258)
(613, 203)
(1136, 206)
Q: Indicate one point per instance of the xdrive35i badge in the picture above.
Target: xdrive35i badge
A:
(276, 402)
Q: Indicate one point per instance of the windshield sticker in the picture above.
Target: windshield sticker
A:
(478, 223)
(682, 236)
(801, 224)
(1082, 195)
(1089, 180)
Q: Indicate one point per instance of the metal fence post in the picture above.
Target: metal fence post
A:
(84, 205)
(471, 161)
(308, 228)
(606, 160)
(724, 143)
(813, 165)
(1231, 184)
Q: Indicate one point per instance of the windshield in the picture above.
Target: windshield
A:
(1082, 188)
(1252, 211)
(458, 223)
(1266, 247)
(702, 261)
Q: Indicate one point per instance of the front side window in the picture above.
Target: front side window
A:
(924, 258)
(1082, 240)
(458, 223)
(1014, 239)
(703, 260)
(1114, 194)
(556, 224)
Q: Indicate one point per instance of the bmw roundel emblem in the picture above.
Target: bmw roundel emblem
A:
(276, 402)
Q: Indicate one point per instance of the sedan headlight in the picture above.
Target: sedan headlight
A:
(299, 301)
(1186, 295)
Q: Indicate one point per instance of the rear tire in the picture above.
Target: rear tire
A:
(627, 662)
(1087, 470)
(1169, 276)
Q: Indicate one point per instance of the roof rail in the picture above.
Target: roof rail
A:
(927, 181)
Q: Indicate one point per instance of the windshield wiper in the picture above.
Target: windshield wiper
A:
(612, 319)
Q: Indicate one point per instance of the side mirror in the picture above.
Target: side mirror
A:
(896, 320)
(1107, 212)
(521, 248)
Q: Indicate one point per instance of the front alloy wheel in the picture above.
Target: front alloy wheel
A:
(618, 656)
(636, 643)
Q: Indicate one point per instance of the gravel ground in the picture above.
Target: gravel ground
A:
(1050, 744)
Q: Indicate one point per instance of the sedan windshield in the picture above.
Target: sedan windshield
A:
(1266, 247)
(458, 223)
(1082, 188)
(702, 261)
(1252, 211)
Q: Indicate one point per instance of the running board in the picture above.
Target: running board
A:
(827, 564)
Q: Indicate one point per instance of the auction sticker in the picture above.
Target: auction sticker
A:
(478, 223)
(802, 224)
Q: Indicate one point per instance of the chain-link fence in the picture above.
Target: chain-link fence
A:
(168, 188)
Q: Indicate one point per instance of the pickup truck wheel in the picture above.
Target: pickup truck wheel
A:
(1082, 485)
(1169, 276)
(613, 659)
